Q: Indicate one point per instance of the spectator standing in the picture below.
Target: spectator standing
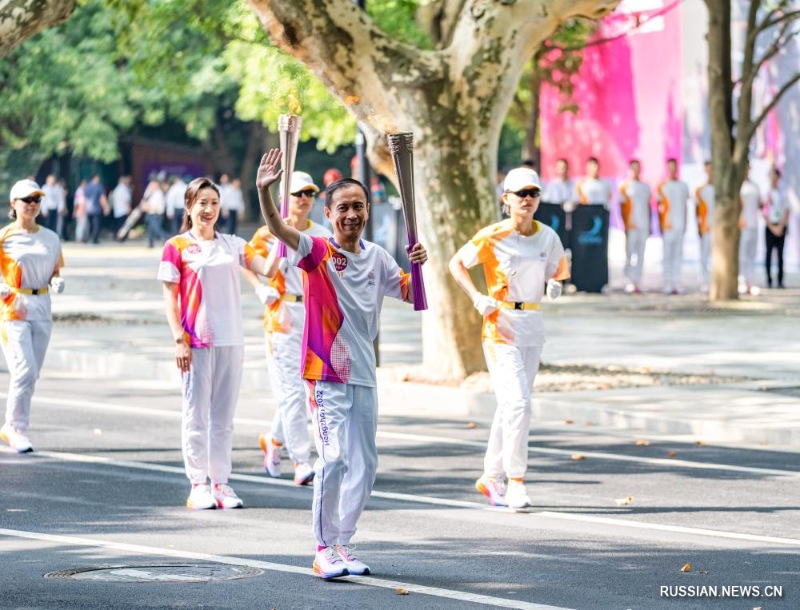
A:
(673, 197)
(560, 190)
(96, 206)
(776, 213)
(750, 196)
(704, 196)
(121, 198)
(154, 204)
(591, 189)
(175, 204)
(635, 208)
(54, 205)
(79, 212)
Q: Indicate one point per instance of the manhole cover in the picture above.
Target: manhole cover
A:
(163, 572)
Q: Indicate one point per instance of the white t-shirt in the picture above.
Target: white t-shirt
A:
(55, 199)
(516, 268)
(121, 201)
(558, 191)
(343, 295)
(775, 206)
(28, 260)
(209, 286)
(592, 191)
(673, 196)
(751, 200)
(175, 198)
(635, 205)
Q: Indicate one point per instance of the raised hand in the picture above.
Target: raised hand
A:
(269, 169)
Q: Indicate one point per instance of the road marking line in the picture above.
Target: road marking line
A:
(671, 462)
(671, 528)
(279, 567)
(384, 495)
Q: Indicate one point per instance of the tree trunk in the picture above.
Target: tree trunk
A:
(534, 151)
(22, 19)
(728, 175)
(454, 100)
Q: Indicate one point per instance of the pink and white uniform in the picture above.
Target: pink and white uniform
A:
(208, 276)
(516, 268)
(27, 262)
(343, 295)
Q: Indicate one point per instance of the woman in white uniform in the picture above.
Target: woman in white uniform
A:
(520, 256)
(200, 272)
(30, 259)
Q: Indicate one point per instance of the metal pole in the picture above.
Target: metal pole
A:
(364, 178)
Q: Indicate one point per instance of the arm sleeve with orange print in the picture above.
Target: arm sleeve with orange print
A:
(702, 212)
(557, 266)
(626, 207)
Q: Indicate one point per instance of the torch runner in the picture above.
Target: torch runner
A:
(401, 147)
(289, 130)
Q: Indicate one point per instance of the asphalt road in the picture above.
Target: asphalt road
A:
(106, 489)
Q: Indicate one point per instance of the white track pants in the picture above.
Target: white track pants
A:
(512, 370)
(24, 347)
(748, 242)
(705, 257)
(635, 241)
(673, 259)
(345, 420)
(290, 423)
(210, 393)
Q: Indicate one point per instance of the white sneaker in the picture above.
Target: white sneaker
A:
(355, 566)
(516, 496)
(272, 454)
(630, 288)
(493, 489)
(201, 497)
(328, 564)
(225, 497)
(15, 439)
(303, 474)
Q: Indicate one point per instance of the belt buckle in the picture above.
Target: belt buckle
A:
(519, 306)
(34, 291)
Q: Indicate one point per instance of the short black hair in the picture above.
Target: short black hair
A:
(335, 186)
(593, 160)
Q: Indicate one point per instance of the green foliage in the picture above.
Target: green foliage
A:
(272, 83)
(63, 89)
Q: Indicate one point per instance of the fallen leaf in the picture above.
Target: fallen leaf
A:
(624, 501)
(351, 99)
(642, 443)
(569, 421)
(671, 454)
(686, 568)
(577, 457)
(401, 591)
(471, 425)
(590, 423)
(699, 443)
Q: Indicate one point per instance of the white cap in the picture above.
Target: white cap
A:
(302, 181)
(521, 178)
(25, 188)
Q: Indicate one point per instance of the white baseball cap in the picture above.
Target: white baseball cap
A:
(302, 181)
(521, 178)
(25, 188)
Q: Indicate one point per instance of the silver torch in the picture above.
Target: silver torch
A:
(401, 147)
(289, 131)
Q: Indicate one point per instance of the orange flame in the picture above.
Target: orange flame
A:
(293, 105)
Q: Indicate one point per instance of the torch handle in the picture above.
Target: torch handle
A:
(417, 284)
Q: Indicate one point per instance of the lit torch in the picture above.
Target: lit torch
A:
(401, 147)
(289, 130)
